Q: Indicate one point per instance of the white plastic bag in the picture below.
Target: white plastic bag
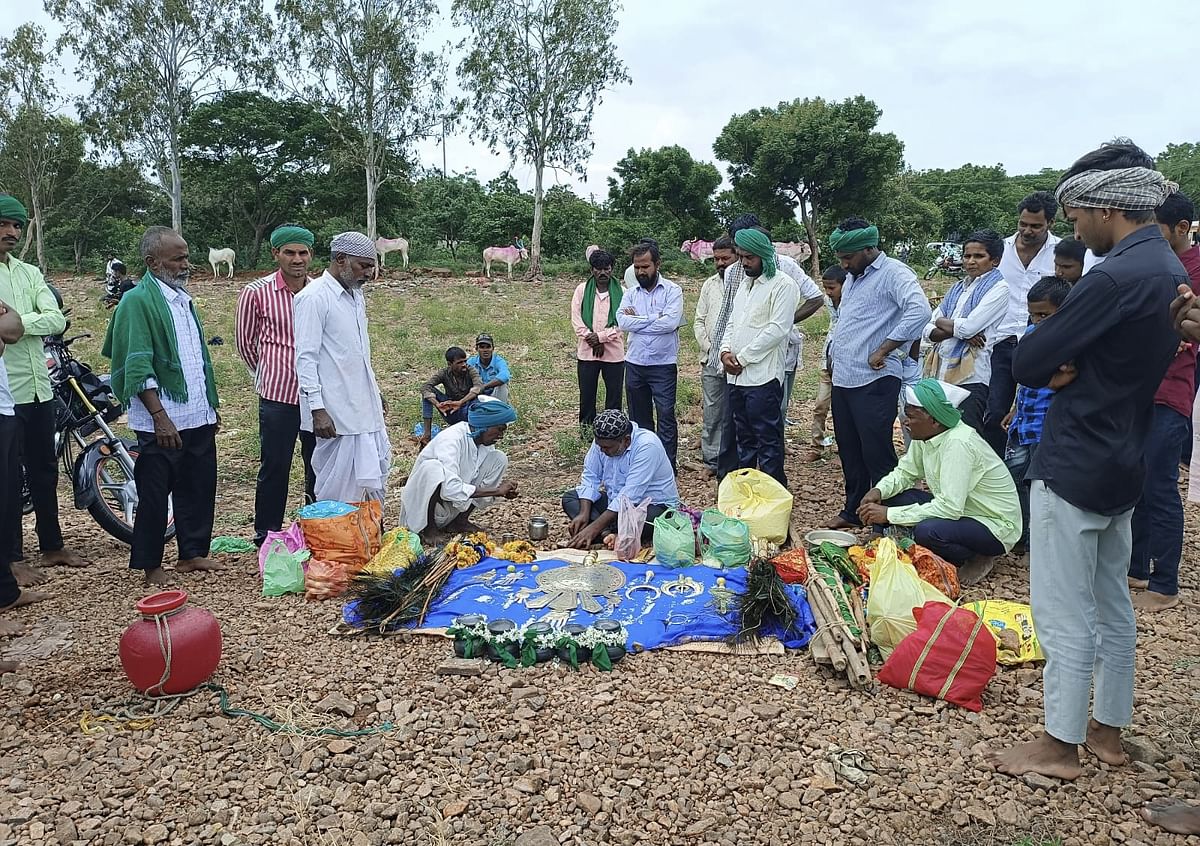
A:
(631, 519)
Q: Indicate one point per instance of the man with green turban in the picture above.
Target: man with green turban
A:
(882, 314)
(753, 350)
(266, 342)
(970, 513)
(24, 291)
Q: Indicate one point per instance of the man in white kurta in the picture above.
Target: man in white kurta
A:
(340, 401)
(459, 472)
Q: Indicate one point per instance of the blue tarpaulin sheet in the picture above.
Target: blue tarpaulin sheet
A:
(651, 619)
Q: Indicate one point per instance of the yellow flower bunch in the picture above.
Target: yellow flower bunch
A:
(518, 552)
(464, 554)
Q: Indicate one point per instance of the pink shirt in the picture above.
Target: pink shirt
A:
(266, 338)
(612, 337)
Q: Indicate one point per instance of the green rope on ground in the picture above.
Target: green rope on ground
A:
(268, 723)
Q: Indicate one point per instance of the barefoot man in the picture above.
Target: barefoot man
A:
(162, 373)
(1105, 352)
(11, 594)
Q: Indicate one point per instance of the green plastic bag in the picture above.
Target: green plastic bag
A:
(725, 540)
(674, 539)
(283, 571)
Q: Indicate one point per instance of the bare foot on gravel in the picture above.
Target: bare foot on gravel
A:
(1045, 756)
(192, 565)
(10, 629)
(158, 577)
(1138, 584)
(63, 558)
(27, 597)
(26, 575)
(1105, 743)
(1153, 601)
(1172, 815)
(839, 523)
(8, 667)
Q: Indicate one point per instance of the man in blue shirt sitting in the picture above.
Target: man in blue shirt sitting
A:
(492, 368)
(625, 460)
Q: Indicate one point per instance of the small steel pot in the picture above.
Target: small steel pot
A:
(539, 528)
(508, 537)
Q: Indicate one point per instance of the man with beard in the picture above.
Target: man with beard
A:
(340, 401)
(162, 373)
(1105, 352)
(753, 349)
(712, 374)
(26, 293)
(266, 342)
(651, 314)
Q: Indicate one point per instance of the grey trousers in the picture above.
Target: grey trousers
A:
(1079, 592)
(713, 385)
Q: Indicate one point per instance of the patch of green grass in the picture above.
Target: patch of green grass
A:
(570, 446)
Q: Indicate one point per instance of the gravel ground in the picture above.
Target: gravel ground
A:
(669, 748)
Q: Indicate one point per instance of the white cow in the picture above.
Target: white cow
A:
(216, 257)
(508, 255)
(591, 248)
(383, 246)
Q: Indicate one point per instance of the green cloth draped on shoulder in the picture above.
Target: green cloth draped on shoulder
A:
(141, 344)
(588, 306)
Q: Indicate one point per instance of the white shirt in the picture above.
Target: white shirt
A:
(808, 290)
(757, 334)
(7, 407)
(986, 318)
(1020, 279)
(333, 358)
(629, 279)
(461, 456)
(196, 410)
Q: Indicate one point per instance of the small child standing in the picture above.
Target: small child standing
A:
(1024, 422)
(832, 279)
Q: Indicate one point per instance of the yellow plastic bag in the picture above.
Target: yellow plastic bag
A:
(896, 590)
(1012, 625)
(399, 548)
(759, 501)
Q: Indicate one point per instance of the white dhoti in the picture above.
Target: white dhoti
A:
(458, 466)
(352, 468)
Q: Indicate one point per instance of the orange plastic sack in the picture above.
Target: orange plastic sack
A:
(936, 570)
(349, 539)
(325, 580)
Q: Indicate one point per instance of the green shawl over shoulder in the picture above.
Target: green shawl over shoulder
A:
(141, 344)
(588, 306)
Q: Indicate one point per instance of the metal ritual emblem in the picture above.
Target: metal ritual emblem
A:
(683, 585)
(722, 599)
(577, 586)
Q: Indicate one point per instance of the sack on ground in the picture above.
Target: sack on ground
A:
(674, 539)
(725, 541)
(896, 590)
(292, 537)
(631, 519)
(936, 570)
(763, 503)
(398, 549)
(1012, 625)
(283, 571)
(349, 537)
(950, 656)
(325, 580)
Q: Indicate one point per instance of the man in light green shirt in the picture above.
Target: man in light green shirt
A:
(971, 512)
(26, 292)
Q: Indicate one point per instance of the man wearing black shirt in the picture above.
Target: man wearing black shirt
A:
(1105, 352)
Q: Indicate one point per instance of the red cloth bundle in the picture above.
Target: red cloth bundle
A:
(950, 656)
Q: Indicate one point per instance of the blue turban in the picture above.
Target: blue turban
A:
(487, 413)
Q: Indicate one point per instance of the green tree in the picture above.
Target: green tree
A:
(667, 185)
(150, 63)
(811, 155)
(903, 217)
(504, 213)
(100, 209)
(444, 207)
(361, 63)
(535, 70)
(1181, 163)
(255, 155)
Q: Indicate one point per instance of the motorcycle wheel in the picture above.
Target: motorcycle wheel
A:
(108, 507)
(929, 274)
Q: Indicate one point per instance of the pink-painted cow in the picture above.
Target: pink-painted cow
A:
(699, 250)
(800, 251)
(508, 255)
(591, 248)
(383, 246)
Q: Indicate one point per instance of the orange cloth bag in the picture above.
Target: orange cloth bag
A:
(350, 540)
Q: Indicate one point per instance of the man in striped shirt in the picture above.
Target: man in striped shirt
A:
(266, 342)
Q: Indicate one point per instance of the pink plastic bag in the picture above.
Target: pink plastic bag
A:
(293, 538)
(631, 519)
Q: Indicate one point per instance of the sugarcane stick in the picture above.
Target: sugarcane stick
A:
(819, 645)
(856, 605)
(858, 670)
(829, 642)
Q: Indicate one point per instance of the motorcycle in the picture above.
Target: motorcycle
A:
(948, 265)
(102, 471)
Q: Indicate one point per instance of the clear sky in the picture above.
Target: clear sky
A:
(1025, 83)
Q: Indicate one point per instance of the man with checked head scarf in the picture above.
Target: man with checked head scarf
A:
(340, 401)
(1105, 351)
(624, 461)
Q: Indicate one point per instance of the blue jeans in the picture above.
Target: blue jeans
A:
(1017, 458)
(1158, 517)
(954, 540)
(650, 394)
(758, 428)
(427, 409)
